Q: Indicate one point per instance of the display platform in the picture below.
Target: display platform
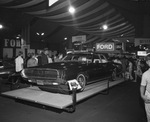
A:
(57, 100)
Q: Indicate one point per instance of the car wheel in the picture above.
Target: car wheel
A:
(114, 75)
(82, 81)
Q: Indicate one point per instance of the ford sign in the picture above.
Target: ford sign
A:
(104, 46)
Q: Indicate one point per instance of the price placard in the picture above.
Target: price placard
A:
(74, 84)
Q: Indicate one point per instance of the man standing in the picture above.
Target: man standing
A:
(145, 88)
(19, 62)
(44, 56)
(33, 61)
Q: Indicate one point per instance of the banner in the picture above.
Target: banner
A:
(140, 41)
(81, 38)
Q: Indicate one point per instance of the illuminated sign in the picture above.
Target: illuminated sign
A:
(140, 41)
(104, 46)
(141, 53)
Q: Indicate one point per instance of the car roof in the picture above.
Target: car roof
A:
(80, 52)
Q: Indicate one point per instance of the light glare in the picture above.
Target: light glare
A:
(71, 9)
(105, 27)
(1, 26)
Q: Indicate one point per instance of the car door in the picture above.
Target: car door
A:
(105, 65)
(90, 67)
(97, 67)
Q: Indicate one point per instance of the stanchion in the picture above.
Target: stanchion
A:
(73, 107)
(0, 86)
(106, 92)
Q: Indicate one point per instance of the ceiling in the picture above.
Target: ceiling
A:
(57, 23)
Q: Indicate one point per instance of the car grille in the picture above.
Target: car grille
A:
(41, 73)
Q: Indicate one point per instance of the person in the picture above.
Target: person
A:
(49, 59)
(19, 62)
(33, 61)
(145, 88)
(117, 60)
(124, 63)
(138, 73)
(44, 57)
(58, 58)
(19, 65)
(130, 68)
(26, 59)
(39, 58)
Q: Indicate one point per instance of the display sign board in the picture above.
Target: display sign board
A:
(118, 46)
(81, 38)
(12, 43)
(51, 2)
(140, 41)
(104, 46)
(7, 52)
(141, 53)
(74, 84)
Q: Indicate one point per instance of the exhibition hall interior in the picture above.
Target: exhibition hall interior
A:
(73, 60)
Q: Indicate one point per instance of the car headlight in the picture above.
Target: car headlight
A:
(23, 74)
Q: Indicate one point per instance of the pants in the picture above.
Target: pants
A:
(130, 74)
(147, 109)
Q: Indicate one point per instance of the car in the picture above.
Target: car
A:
(7, 68)
(7, 72)
(85, 67)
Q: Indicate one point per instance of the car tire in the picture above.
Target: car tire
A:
(81, 80)
(114, 75)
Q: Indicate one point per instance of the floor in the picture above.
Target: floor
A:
(122, 104)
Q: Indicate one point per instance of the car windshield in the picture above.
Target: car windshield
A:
(78, 57)
(1, 64)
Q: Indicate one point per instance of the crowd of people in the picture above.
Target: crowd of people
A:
(32, 59)
(139, 70)
(132, 68)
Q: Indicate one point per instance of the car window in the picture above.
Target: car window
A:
(103, 59)
(75, 58)
(96, 59)
(78, 57)
(1, 64)
(68, 57)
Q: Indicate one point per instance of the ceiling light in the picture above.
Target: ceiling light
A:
(1, 26)
(42, 34)
(65, 38)
(71, 9)
(105, 27)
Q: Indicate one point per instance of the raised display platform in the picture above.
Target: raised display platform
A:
(57, 100)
